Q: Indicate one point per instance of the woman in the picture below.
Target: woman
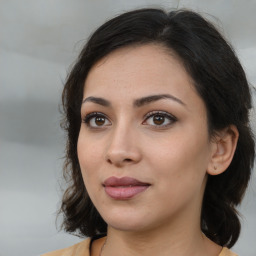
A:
(159, 149)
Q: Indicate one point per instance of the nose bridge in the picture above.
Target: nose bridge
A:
(123, 147)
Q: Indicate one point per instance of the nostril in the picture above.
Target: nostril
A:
(126, 160)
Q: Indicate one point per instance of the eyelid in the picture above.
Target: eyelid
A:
(155, 112)
(93, 114)
(171, 117)
(87, 118)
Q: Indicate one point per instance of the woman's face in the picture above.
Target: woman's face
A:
(143, 145)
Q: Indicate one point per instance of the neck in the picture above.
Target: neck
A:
(181, 242)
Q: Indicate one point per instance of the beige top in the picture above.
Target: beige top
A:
(83, 249)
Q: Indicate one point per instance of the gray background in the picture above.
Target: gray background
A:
(39, 39)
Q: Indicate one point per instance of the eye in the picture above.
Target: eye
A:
(96, 120)
(159, 119)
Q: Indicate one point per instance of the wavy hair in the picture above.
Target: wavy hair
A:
(218, 78)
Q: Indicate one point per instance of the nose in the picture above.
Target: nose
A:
(123, 148)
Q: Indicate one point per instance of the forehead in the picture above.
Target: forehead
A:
(137, 71)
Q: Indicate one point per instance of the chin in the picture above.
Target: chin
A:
(128, 226)
(127, 221)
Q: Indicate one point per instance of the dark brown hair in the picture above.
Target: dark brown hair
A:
(219, 80)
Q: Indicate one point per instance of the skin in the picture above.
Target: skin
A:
(174, 157)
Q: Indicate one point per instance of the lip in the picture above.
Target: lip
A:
(124, 188)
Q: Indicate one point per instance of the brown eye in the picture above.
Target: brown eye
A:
(100, 120)
(96, 120)
(158, 119)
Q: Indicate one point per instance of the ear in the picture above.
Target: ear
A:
(223, 149)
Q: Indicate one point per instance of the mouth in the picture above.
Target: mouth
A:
(124, 188)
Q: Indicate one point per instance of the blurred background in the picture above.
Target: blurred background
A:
(39, 40)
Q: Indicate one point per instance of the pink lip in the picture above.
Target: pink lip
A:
(124, 188)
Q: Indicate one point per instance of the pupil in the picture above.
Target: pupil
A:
(100, 120)
(158, 119)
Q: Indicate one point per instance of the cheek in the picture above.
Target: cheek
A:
(89, 153)
(181, 172)
(89, 156)
(181, 157)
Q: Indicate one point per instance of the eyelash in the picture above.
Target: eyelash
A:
(92, 115)
(164, 114)
(149, 115)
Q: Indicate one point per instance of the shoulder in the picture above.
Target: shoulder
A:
(226, 252)
(80, 249)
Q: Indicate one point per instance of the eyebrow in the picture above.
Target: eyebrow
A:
(138, 102)
(148, 99)
(97, 100)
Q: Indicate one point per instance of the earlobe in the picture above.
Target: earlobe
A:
(223, 150)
